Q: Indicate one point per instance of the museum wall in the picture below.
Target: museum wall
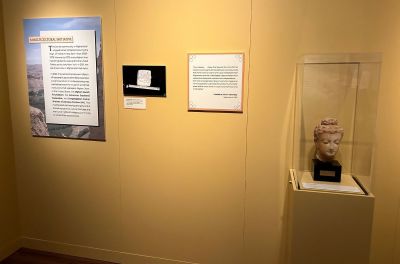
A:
(69, 190)
(170, 185)
(9, 227)
(386, 232)
(182, 173)
(282, 32)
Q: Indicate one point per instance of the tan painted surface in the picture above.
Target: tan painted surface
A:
(282, 32)
(325, 227)
(181, 172)
(68, 189)
(202, 187)
(9, 226)
(385, 236)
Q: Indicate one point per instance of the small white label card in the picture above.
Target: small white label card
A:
(135, 103)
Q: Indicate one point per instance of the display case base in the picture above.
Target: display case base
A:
(328, 227)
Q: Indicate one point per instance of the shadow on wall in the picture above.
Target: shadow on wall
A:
(286, 164)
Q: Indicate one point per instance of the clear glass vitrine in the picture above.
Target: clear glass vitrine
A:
(345, 87)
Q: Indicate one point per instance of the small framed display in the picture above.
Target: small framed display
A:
(144, 80)
(216, 82)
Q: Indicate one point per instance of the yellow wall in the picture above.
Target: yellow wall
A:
(282, 32)
(69, 190)
(9, 226)
(386, 232)
(171, 185)
(181, 172)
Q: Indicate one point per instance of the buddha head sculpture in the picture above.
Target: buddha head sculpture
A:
(327, 137)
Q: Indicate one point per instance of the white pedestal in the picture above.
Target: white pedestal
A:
(328, 227)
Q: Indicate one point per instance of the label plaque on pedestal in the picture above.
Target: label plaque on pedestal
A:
(326, 171)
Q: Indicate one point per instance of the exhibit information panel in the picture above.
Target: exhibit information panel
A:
(69, 77)
(65, 77)
(216, 82)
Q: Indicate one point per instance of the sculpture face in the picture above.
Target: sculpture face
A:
(327, 145)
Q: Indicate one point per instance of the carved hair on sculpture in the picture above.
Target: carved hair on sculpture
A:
(327, 137)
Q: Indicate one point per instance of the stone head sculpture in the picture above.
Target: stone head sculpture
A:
(327, 137)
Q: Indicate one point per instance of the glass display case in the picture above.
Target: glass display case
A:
(345, 87)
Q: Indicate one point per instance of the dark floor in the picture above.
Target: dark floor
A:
(30, 256)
